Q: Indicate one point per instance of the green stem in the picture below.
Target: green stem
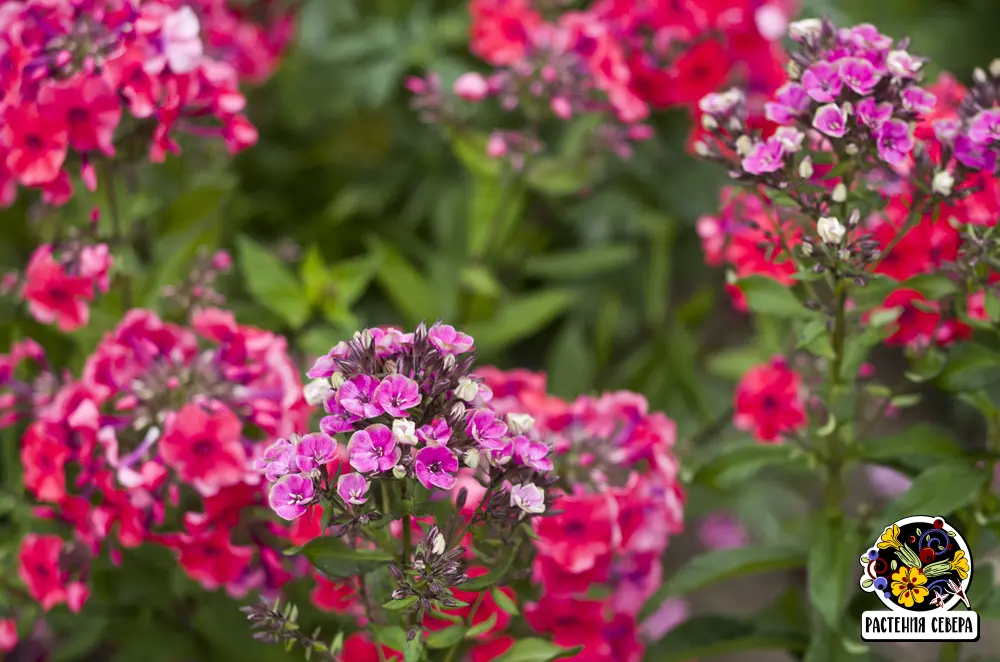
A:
(116, 223)
(407, 540)
(834, 493)
(468, 623)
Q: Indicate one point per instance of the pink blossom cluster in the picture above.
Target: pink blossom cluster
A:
(164, 420)
(620, 503)
(84, 78)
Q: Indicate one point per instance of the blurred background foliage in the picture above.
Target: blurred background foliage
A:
(350, 212)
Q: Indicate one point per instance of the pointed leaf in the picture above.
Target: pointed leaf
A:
(271, 283)
(335, 558)
(536, 650)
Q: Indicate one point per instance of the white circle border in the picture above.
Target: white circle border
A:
(924, 519)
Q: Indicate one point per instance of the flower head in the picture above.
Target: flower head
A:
(353, 488)
(373, 449)
(291, 496)
(528, 497)
(435, 466)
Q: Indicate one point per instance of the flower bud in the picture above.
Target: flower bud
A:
(471, 87)
(995, 68)
(438, 545)
(794, 70)
(399, 472)
(467, 389)
(844, 254)
(943, 182)
(853, 219)
(365, 338)
(806, 168)
(317, 391)
(709, 123)
(404, 432)
(457, 412)
(979, 75)
(830, 230)
(471, 458)
(805, 30)
(701, 149)
(336, 380)
(743, 145)
(807, 249)
(839, 193)
(449, 361)
(851, 149)
(520, 423)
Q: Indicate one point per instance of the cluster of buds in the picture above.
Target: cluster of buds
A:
(275, 624)
(198, 289)
(434, 571)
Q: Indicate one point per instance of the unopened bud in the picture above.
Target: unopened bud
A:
(839, 193)
(794, 70)
(995, 68)
(844, 254)
(807, 249)
(336, 380)
(853, 219)
(805, 30)
(743, 145)
(467, 389)
(709, 123)
(979, 75)
(830, 230)
(364, 338)
(471, 458)
(943, 183)
(449, 361)
(399, 472)
(520, 423)
(438, 545)
(806, 168)
(317, 391)
(457, 411)
(851, 149)
(404, 432)
(701, 149)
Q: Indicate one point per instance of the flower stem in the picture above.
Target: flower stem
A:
(468, 623)
(407, 541)
(116, 223)
(834, 493)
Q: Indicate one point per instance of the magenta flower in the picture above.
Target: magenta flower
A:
(895, 142)
(946, 130)
(888, 482)
(277, 460)
(396, 394)
(768, 156)
(790, 101)
(291, 496)
(339, 420)
(435, 466)
(672, 613)
(435, 433)
(314, 451)
(325, 366)
(822, 82)
(449, 341)
(471, 86)
(973, 155)
(721, 531)
(528, 497)
(871, 115)
(483, 425)
(790, 138)
(831, 120)
(531, 453)
(355, 396)
(985, 127)
(373, 449)
(858, 74)
(498, 452)
(353, 488)
(902, 64)
(867, 36)
(918, 100)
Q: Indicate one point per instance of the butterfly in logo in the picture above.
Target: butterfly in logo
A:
(957, 590)
(937, 600)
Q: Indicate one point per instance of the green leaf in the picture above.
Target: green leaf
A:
(581, 263)
(766, 296)
(736, 463)
(271, 283)
(494, 210)
(571, 362)
(720, 565)
(706, 636)
(407, 288)
(402, 603)
(932, 286)
(315, 278)
(447, 637)
(482, 627)
(86, 632)
(350, 279)
(479, 280)
(733, 363)
(413, 649)
(556, 176)
(333, 557)
(927, 366)
(831, 569)
(496, 573)
(924, 442)
(504, 601)
(520, 318)
(536, 650)
(970, 367)
(470, 148)
(391, 636)
(940, 490)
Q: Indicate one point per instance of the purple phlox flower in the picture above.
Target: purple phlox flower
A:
(395, 394)
(389, 342)
(973, 155)
(435, 433)
(483, 426)
(355, 395)
(498, 452)
(531, 453)
(326, 365)
(790, 101)
(672, 613)
(528, 497)
(918, 100)
(946, 130)
(831, 120)
(985, 127)
(435, 466)
(277, 460)
(314, 451)
(888, 482)
(721, 531)
(291, 496)
(902, 64)
(858, 74)
(790, 138)
(768, 156)
(871, 115)
(867, 36)
(894, 141)
(353, 488)
(822, 82)
(449, 341)
(483, 396)
(373, 449)
(339, 420)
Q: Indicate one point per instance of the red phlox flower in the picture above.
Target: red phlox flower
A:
(43, 456)
(205, 448)
(923, 325)
(40, 571)
(55, 296)
(584, 531)
(501, 29)
(768, 401)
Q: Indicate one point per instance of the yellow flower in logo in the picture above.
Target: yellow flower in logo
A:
(960, 564)
(908, 586)
(890, 538)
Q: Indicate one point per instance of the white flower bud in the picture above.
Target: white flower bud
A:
(793, 69)
(979, 75)
(839, 193)
(743, 145)
(438, 545)
(806, 168)
(471, 458)
(701, 149)
(830, 230)
(708, 123)
(520, 423)
(844, 254)
(449, 361)
(995, 68)
(851, 149)
(336, 379)
(399, 472)
(466, 390)
(364, 338)
(943, 181)
(807, 28)
(317, 391)
(807, 249)
(404, 432)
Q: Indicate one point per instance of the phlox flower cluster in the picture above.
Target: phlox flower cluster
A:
(616, 59)
(854, 120)
(620, 501)
(770, 401)
(155, 443)
(83, 80)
